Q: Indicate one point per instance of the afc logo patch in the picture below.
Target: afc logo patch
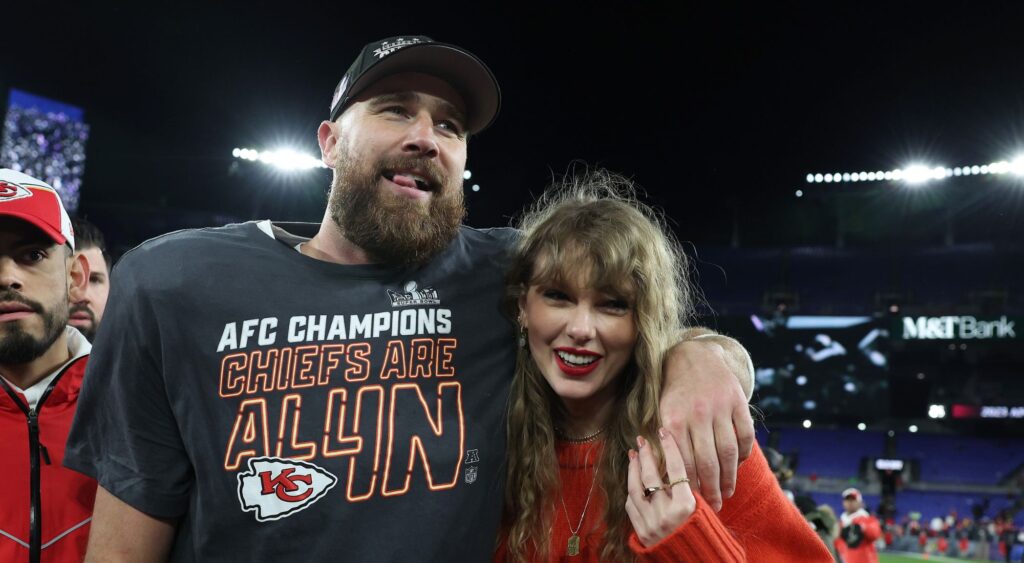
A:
(274, 488)
(11, 191)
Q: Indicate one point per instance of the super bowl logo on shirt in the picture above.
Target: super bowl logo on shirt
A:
(10, 191)
(414, 296)
(274, 488)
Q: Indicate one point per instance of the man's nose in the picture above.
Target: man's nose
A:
(10, 274)
(421, 138)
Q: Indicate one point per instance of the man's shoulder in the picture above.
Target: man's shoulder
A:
(499, 239)
(192, 242)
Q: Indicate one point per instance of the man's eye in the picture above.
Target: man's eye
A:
(397, 110)
(35, 256)
(452, 126)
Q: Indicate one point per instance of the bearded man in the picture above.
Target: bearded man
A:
(46, 508)
(284, 392)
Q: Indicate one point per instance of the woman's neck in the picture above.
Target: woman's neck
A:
(585, 417)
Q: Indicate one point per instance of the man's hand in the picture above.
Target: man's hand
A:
(705, 408)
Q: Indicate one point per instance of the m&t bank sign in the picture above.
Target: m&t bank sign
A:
(964, 327)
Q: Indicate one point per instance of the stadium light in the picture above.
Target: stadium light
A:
(282, 159)
(917, 174)
(467, 174)
(807, 424)
(912, 428)
(862, 426)
(936, 411)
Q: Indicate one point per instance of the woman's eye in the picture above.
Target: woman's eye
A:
(617, 304)
(555, 295)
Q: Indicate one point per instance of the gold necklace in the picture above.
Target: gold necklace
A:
(573, 546)
(582, 440)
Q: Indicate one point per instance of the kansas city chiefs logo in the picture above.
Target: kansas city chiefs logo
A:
(10, 190)
(274, 488)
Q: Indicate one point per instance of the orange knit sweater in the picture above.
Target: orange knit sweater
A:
(757, 524)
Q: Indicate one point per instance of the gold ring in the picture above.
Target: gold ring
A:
(650, 491)
(679, 480)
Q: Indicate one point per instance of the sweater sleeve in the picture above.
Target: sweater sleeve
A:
(758, 524)
(702, 537)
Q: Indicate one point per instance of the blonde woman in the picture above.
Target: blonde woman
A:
(600, 291)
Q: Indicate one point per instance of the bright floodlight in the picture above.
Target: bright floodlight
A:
(912, 428)
(917, 174)
(1017, 165)
(476, 187)
(282, 159)
(862, 426)
(467, 175)
(936, 411)
(807, 424)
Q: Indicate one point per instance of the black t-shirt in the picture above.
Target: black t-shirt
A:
(291, 409)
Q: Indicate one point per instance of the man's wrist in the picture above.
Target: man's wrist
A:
(732, 353)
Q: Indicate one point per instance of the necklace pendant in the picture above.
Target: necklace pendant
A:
(573, 548)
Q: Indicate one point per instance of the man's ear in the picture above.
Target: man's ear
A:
(78, 277)
(327, 136)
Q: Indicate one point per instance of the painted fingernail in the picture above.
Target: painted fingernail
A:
(661, 433)
(640, 442)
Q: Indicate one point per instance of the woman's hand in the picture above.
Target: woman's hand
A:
(656, 508)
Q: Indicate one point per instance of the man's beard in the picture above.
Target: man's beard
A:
(393, 229)
(89, 330)
(20, 347)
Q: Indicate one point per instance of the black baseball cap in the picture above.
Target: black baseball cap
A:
(463, 70)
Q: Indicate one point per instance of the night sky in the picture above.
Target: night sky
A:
(719, 112)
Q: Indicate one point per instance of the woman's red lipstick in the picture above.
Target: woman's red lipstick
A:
(576, 371)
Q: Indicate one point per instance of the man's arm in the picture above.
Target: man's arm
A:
(122, 534)
(708, 380)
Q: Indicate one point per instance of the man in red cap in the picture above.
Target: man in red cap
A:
(856, 541)
(46, 508)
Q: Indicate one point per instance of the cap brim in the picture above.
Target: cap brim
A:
(54, 234)
(464, 71)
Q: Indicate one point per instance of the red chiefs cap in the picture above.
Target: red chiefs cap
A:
(35, 201)
(852, 493)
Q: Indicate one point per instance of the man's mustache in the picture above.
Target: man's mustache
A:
(77, 308)
(13, 296)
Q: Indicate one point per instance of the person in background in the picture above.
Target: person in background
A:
(87, 312)
(45, 509)
(858, 530)
(822, 520)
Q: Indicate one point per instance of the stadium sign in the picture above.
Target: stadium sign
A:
(988, 411)
(962, 327)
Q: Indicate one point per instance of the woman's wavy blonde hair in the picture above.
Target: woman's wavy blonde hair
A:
(590, 229)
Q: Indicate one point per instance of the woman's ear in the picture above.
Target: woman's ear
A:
(522, 309)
